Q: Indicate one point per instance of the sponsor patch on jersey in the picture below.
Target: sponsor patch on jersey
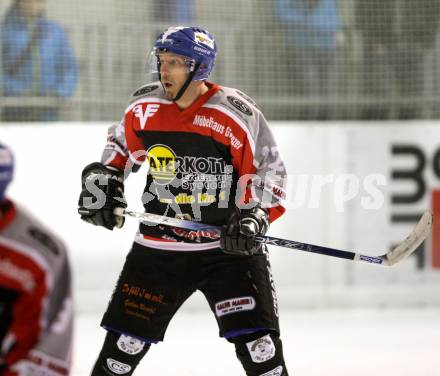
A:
(190, 173)
(205, 122)
(248, 98)
(239, 105)
(262, 349)
(195, 235)
(130, 345)
(118, 367)
(277, 192)
(226, 307)
(162, 161)
(275, 372)
(202, 38)
(145, 90)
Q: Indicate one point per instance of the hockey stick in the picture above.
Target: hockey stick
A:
(398, 253)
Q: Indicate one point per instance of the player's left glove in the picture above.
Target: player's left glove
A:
(238, 236)
(102, 192)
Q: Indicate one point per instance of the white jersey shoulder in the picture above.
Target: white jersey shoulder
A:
(239, 106)
(237, 101)
(151, 90)
(29, 231)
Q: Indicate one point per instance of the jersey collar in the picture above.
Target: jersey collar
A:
(200, 101)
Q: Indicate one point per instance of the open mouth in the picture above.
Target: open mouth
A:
(168, 85)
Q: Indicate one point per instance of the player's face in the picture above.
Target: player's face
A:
(173, 73)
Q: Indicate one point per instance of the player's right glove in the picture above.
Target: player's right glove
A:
(238, 236)
(102, 192)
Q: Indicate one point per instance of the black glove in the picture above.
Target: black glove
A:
(102, 192)
(238, 236)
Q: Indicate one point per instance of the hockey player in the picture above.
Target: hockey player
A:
(35, 296)
(212, 158)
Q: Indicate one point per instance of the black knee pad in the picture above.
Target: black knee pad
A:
(261, 354)
(119, 355)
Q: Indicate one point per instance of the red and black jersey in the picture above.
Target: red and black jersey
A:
(203, 161)
(35, 297)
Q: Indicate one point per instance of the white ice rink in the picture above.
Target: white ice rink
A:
(373, 342)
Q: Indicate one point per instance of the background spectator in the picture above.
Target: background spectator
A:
(175, 12)
(418, 29)
(396, 37)
(172, 13)
(312, 27)
(37, 61)
(375, 21)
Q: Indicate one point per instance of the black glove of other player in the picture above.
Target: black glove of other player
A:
(102, 192)
(238, 236)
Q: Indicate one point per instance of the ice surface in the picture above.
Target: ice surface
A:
(373, 342)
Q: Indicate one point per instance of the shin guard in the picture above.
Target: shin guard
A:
(261, 354)
(119, 355)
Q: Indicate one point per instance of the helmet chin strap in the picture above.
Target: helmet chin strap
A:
(185, 85)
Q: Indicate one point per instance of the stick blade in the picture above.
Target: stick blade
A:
(412, 242)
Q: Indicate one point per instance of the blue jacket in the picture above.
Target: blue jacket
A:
(58, 67)
(174, 11)
(310, 26)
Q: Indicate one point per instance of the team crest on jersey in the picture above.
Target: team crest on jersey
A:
(130, 345)
(162, 161)
(144, 115)
(145, 90)
(239, 105)
(262, 349)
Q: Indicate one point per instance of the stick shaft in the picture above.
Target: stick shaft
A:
(403, 250)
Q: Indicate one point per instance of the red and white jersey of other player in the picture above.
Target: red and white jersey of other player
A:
(35, 304)
(202, 160)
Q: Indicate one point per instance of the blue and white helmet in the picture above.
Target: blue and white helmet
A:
(194, 43)
(6, 169)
